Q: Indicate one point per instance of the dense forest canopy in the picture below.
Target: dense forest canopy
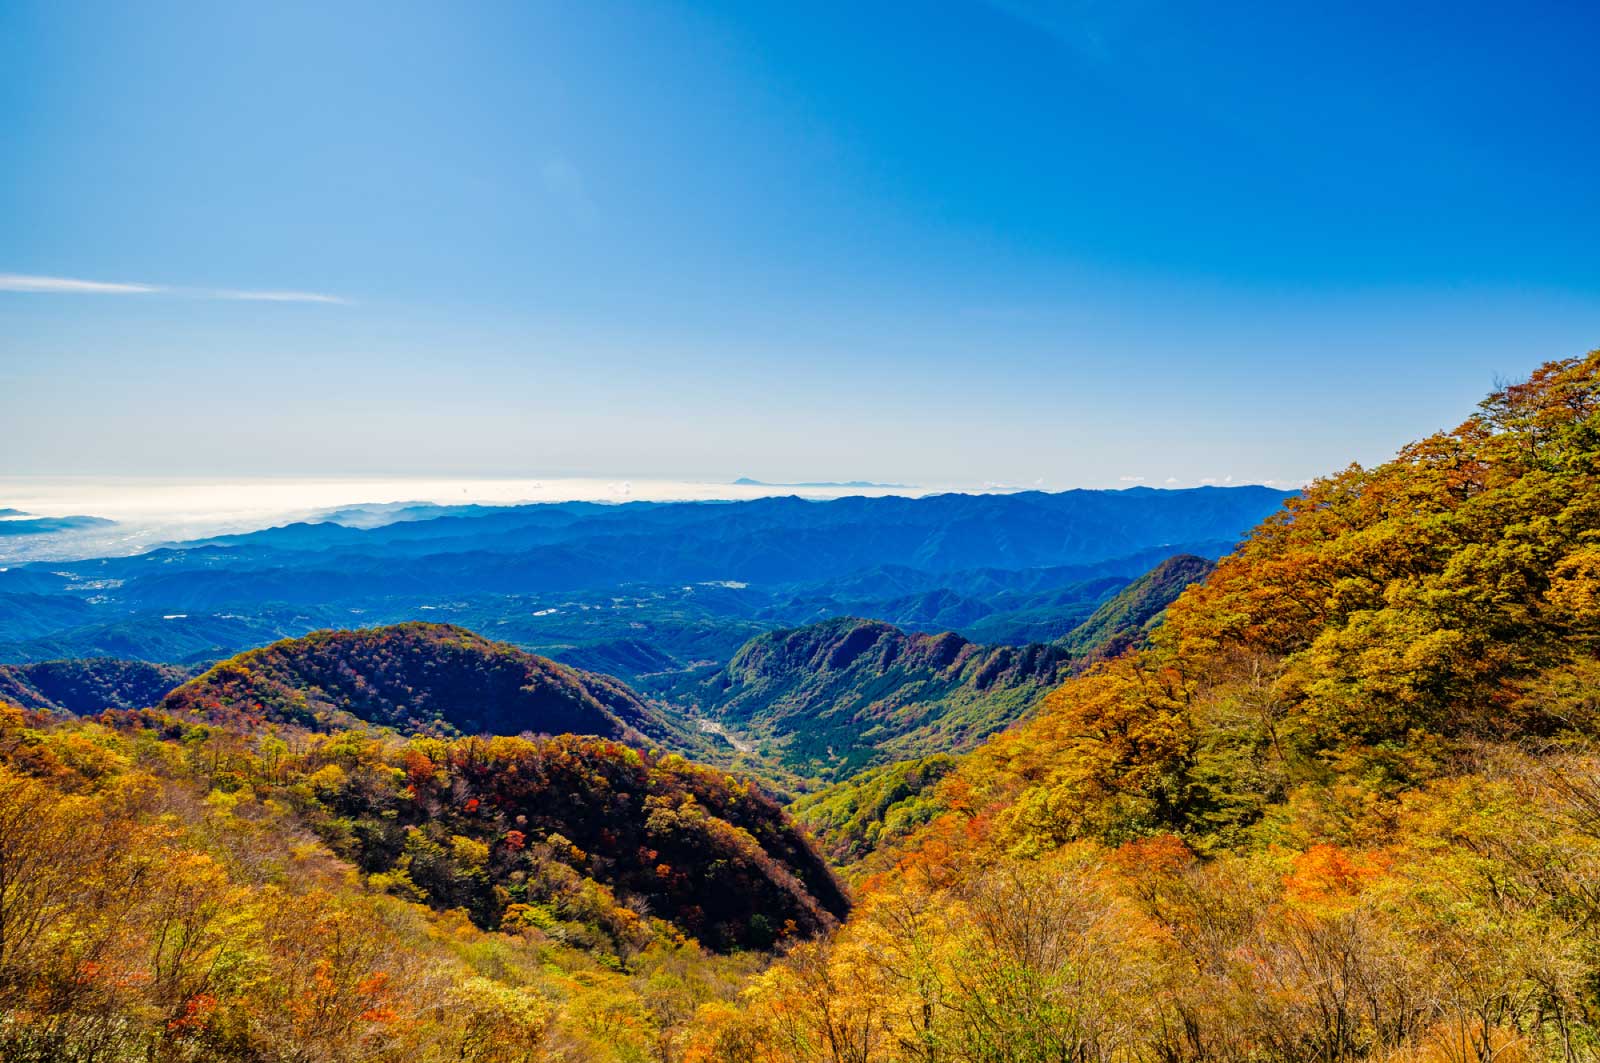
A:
(181, 890)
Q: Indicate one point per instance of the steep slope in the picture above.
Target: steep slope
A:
(419, 678)
(1346, 805)
(89, 685)
(1128, 618)
(828, 699)
(1364, 637)
(883, 806)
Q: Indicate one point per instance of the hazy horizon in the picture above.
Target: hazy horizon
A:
(150, 511)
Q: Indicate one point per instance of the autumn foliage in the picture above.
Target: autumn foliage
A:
(174, 890)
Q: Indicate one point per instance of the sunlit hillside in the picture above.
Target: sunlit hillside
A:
(1345, 808)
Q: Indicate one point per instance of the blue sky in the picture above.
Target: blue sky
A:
(1080, 244)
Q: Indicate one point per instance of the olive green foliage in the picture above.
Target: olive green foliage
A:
(877, 807)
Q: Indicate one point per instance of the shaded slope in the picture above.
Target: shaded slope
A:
(89, 685)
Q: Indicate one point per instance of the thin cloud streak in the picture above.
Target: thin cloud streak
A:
(21, 282)
(18, 282)
(276, 297)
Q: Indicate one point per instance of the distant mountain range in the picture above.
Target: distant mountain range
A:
(632, 588)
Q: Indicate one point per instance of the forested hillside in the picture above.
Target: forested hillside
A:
(1343, 808)
(824, 701)
(1128, 618)
(180, 890)
(827, 699)
(875, 809)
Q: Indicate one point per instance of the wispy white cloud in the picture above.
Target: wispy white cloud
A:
(1131, 479)
(22, 282)
(19, 282)
(277, 297)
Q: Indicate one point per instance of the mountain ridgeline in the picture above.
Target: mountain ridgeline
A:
(784, 540)
(419, 679)
(1132, 614)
